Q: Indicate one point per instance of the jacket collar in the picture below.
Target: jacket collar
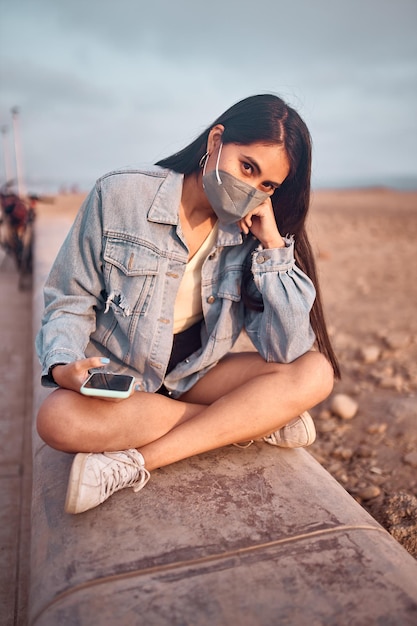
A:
(164, 209)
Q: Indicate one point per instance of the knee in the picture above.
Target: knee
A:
(52, 424)
(321, 374)
(313, 374)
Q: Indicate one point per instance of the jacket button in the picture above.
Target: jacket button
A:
(211, 299)
(260, 259)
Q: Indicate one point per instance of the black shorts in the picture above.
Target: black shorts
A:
(184, 344)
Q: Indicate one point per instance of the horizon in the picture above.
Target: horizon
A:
(394, 183)
(102, 85)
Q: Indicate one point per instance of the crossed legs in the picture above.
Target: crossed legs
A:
(242, 398)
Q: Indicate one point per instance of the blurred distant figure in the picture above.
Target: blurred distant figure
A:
(16, 219)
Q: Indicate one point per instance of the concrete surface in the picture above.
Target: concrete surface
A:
(15, 444)
(251, 537)
(248, 537)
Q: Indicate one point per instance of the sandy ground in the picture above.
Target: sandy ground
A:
(366, 247)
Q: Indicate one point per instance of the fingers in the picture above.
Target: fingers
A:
(245, 223)
(73, 375)
(261, 223)
(94, 361)
(82, 367)
(262, 211)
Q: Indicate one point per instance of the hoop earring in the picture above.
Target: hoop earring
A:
(203, 160)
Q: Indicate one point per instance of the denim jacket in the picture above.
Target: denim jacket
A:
(112, 288)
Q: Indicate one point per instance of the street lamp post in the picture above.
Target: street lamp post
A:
(17, 150)
(6, 154)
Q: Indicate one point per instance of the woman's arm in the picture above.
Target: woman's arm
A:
(282, 331)
(72, 291)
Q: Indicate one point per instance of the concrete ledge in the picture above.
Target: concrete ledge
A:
(257, 536)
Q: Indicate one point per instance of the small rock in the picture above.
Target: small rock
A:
(383, 371)
(363, 385)
(369, 492)
(342, 453)
(343, 478)
(344, 406)
(370, 354)
(376, 470)
(391, 382)
(411, 458)
(377, 429)
(326, 426)
(379, 479)
(363, 451)
(334, 468)
(325, 414)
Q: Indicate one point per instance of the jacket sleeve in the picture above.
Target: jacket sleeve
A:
(282, 331)
(72, 291)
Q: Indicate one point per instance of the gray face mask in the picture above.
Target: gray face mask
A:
(230, 198)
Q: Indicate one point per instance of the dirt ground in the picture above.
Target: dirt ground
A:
(366, 247)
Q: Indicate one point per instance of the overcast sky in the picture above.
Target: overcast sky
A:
(103, 84)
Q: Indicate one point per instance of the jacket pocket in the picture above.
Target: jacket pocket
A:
(130, 272)
(223, 308)
(229, 285)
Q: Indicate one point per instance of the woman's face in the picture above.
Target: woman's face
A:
(263, 166)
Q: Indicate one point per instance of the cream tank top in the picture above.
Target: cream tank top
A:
(188, 308)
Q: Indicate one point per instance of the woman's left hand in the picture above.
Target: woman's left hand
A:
(261, 223)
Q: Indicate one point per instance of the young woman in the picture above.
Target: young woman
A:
(160, 273)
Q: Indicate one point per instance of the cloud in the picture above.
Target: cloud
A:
(102, 84)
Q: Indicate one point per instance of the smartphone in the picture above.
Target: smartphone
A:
(107, 385)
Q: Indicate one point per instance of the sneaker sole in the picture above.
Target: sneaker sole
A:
(71, 499)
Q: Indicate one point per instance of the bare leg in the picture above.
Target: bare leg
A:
(242, 398)
(71, 422)
(247, 398)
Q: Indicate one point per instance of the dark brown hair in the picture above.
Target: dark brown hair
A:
(266, 118)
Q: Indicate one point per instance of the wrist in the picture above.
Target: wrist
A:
(50, 371)
(276, 243)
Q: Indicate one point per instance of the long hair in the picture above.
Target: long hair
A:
(267, 119)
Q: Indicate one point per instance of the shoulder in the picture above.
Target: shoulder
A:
(138, 194)
(128, 176)
(129, 183)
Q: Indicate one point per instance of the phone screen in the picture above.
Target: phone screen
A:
(112, 382)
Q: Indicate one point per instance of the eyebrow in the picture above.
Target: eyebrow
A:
(256, 166)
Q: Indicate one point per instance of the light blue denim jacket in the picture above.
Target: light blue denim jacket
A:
(112, 288)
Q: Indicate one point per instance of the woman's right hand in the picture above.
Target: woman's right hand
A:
(73, 375)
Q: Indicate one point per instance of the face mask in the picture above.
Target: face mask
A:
(230, 198)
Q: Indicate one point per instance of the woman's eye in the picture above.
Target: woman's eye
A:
(247, 168)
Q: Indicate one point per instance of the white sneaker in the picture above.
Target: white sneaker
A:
(95, 477)
(299, 433)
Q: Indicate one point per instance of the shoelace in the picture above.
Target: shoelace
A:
(244, 445)
(124, 473)
(272, 438)
(269, 438)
